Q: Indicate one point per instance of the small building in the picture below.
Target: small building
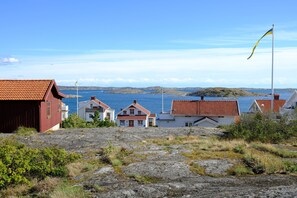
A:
(264, 106)
(289, 108)
(136, 115)
(187, 113)
(65, 111)
(87, 109)
(30, 103)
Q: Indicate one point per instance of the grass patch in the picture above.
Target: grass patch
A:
(240, 170)
(204, 155)
(24, 131)
(116, 156)
(276, 151)
(196, 168)
(66, 190)
(261, 162)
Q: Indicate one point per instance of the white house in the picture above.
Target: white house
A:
(88, 108)
(135, 115)
(186, 113)
(290, 105)
(264, 106)
(65, 111)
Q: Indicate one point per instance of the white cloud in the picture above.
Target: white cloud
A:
(192, 67)
(8, 60)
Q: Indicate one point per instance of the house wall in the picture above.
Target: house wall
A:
(52, 119)
(180, 121)
(135, 121)
(86, 115)
(18, 113)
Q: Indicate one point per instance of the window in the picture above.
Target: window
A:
(131, 111)
(122, 122)
(48, 109)
(140, 122)
(91, 106)
(139, 112)
(188, 124)
(125, 112)
(90, 116)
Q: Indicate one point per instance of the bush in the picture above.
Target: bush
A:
(19, 164)
(24, 131)
(261, 127)
(74, 121)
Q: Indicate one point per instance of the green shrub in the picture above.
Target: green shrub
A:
(24, 131)
(19, 163)
(261, 127)
(74, 121)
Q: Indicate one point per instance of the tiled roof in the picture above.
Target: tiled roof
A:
(138, 106)
(25, 89)
(265, 105)
(205, 108)
(102, 104)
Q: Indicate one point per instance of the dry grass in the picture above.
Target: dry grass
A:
(16, 191)
(285, 153)
(263, 162)
(67, 190)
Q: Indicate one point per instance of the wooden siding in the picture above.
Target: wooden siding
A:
(48, 121)
(18, 113)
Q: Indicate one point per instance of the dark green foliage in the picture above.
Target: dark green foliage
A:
(261, 127)
(19, 163)
(74, 121)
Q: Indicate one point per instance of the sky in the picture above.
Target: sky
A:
(138, 43)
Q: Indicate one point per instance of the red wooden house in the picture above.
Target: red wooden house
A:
(29, 103)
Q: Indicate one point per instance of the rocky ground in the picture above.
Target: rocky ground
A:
(165, 167)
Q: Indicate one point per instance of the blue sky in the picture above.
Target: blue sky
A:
(170, 43)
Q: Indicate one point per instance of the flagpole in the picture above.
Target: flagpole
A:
(272, 89)
(162, 101)
(76, 83)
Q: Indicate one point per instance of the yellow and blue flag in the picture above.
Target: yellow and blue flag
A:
(267, 33)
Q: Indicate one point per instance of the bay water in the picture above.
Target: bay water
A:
(153, 102)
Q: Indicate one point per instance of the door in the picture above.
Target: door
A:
(131, 123)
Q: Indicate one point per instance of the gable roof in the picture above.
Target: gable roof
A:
(27, 89)
(137, 106)
(265, 105)
(291, 101)
(205, 108)
(102, 104)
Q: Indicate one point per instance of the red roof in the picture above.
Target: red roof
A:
(102, 104)
(127, 117)
(265, 105)
(205, 108)
(138, 106)
(26, 89)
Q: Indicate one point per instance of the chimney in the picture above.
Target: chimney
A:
(93, 98)
(134, 101)
(276, 96)
(202, 97)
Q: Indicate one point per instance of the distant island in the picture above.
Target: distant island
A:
(185, 91)
(223, 92)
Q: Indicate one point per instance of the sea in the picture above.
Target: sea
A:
(153, 102)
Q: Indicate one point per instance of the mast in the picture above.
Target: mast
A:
(272, 61)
